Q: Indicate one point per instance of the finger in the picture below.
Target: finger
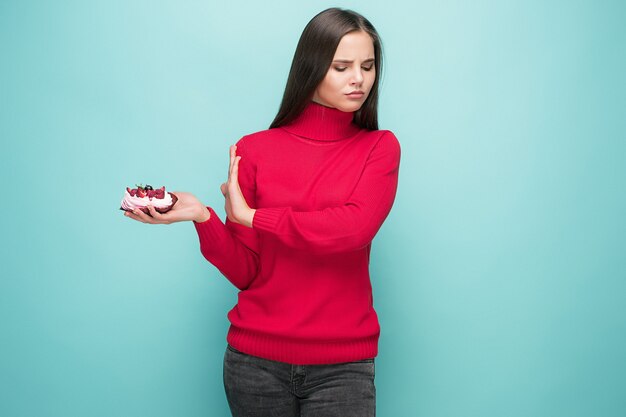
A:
(133, 216)
(158, 217)
(223, 188)
(143, 216)
(230, 164)
(235, 173)
(233, 156)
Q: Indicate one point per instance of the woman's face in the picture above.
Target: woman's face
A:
(352, 70)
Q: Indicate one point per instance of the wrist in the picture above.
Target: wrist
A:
(203, 216)
(250, 218)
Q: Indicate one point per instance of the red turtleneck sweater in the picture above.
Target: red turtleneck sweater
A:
(321, 187)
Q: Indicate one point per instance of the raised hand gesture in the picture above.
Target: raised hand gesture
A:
(237, 208)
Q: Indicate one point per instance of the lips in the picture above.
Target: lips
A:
(355, 94)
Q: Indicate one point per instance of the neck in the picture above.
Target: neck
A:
(319, 122)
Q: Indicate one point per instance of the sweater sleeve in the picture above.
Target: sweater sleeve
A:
(233, 248)
(350, 226)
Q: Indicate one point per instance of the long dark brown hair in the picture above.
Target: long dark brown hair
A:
(314, 54)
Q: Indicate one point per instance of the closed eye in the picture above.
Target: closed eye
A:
(342, 69)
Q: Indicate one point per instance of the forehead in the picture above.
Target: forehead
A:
(355, 45)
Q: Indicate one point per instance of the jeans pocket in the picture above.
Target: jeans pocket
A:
(367, 366)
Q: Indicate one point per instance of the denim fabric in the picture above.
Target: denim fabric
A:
(257, 387)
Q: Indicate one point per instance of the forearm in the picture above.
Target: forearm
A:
(335, 229)
(219, 245)
(248, 218)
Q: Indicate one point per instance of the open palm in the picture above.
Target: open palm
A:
(187, 208)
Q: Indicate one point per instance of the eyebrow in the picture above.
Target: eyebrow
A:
(348, 61)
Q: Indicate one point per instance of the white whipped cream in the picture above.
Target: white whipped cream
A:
(130, 203)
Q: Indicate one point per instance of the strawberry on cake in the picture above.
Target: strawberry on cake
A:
(141, 197)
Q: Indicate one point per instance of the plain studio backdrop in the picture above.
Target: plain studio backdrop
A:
(499, 277)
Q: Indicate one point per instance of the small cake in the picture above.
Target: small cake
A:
(141, 197)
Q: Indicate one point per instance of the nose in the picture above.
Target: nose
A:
(357, 77)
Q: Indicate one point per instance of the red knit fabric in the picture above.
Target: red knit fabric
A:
(322, 188)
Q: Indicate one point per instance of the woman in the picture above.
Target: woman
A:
(304, 199)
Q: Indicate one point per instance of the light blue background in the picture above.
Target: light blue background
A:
(499, 277)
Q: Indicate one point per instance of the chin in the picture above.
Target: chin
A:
(349, 107)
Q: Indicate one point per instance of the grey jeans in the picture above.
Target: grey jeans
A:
(257, 387)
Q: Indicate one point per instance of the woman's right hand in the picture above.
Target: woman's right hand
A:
(187, 208)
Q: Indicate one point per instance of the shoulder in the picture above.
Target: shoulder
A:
(263, 135)
(388, 136)
(385, 142)
(259, 139)
(381, 135)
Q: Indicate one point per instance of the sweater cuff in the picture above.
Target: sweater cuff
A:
(210, 231)
(267, 218)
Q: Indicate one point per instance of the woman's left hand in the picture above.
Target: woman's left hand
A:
(237, 208)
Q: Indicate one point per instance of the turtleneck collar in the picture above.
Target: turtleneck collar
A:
(319, 122)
